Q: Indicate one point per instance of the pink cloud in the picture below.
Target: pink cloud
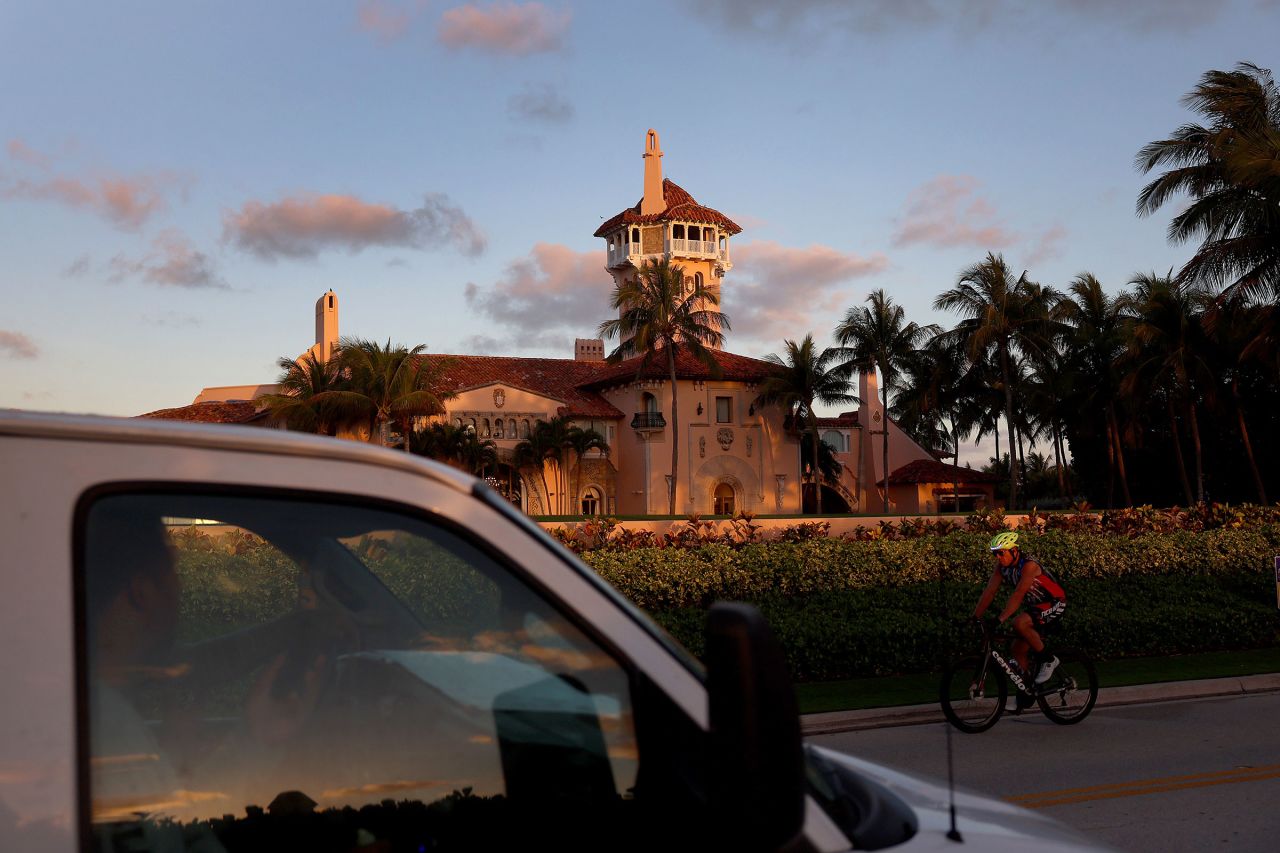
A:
(172, 262)
(385, 20)
(1047, 245)
(22, 152)
(17, 345)
(547, 298)
(777, 292)
(946, 212)
(305, 225)
(127, 202)
(512, 29)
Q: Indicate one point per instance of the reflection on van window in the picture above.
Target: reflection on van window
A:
(290, 675)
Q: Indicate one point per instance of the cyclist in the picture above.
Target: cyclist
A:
(1034, 587)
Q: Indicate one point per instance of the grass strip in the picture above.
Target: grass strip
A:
(888, 691)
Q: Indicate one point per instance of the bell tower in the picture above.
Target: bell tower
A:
(668, 224)
(326, 326)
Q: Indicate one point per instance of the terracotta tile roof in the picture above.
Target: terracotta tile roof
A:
(844, 419)
(931, 471)
(680, 206)
(558, 378)
(733, 368)
(235, 412)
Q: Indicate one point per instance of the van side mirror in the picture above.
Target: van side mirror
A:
(757, 781)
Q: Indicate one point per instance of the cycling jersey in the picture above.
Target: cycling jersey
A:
(1045, 593)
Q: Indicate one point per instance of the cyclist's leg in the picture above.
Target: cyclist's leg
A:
(1027, 638)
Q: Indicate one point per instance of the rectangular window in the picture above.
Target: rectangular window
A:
(724, 410)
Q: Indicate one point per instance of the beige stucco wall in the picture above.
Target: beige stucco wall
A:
(750, 454)
(223, 393)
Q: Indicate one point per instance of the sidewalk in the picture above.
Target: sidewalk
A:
(911, 715)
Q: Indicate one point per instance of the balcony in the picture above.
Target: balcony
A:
(647, 421)
(629, 253)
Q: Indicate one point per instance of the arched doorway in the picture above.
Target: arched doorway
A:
(723, 500)
(592, 501)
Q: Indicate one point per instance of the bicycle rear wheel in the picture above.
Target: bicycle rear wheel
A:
(1070, 693)
(973, 694)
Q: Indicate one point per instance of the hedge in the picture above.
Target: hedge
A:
(841, 608)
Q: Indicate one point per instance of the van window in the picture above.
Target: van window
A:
(269, 673)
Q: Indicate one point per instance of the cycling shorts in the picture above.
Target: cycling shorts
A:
(1047, 614)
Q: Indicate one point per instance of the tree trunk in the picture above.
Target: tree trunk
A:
(1111, 465)
(884, 416)
(955, 483)
(1022, 460)
(1248, 445)
(1057, 461)
(817, 470)
(1124, 474)
(1195, 442)
(1008, 416)
(675, 431)
(1177, 449)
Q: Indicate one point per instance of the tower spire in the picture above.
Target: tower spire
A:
(653, 201)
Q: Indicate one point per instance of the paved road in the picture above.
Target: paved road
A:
(1170, 776)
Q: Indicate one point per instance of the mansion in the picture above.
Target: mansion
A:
(733, 454)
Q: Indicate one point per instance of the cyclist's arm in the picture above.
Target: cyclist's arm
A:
(988, 595)
(1030, 572)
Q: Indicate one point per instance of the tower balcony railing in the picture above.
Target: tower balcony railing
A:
(648, 421)
(630, 252)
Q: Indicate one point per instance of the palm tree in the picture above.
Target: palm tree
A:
(534, 452)
(879, 337)
(661, 314)
(456, 445)
(1228, 168)
(807, 378)
(1098, 329)
(999, 317)
(1169, 346)
(579, 441)
(389, 385)
(1241, 332)
(309, 396)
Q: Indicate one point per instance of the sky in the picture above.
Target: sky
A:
(179, 182)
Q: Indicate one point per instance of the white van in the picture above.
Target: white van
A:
(238, 639)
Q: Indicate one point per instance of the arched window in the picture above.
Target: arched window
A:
(484, 428)
(457, 422)
(723, 500)
(697, 280)
(592, 501)
(498, 431)
(471, 424)
(649, 402)
(524, 428)
(511, 428)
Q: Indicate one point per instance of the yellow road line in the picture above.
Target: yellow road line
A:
(1136, 788)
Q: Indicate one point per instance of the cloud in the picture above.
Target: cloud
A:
(545, 299)
(540, 103)
(24, 153)
(505, 28)
(801, 21)
(77, 268)
(1047, 245)
(947, 212)
(305, 225)
(17, 345)
(778, 292)
(172, 262)
(386, 20)
(127, 202)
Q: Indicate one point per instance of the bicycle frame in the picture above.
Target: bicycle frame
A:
(989, 652)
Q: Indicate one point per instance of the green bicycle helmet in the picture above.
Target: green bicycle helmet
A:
(1003, 540)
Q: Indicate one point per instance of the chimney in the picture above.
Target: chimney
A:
(588, 349)
(653, 202)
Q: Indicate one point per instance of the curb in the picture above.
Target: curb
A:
(1139, 694)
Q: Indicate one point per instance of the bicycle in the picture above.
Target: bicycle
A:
(974, 688)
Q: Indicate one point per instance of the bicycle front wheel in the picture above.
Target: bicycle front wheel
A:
(973, 694)
(1070, 693)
